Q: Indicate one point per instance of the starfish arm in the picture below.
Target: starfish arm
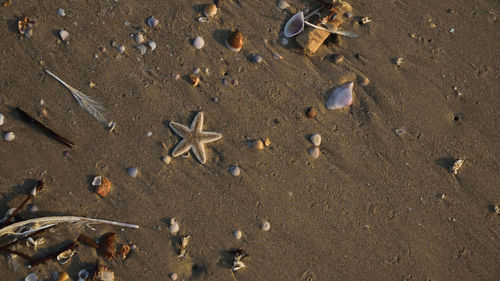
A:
(180, 129)
(206, 137)
(182, 147)
(199, 152)
(197, 124)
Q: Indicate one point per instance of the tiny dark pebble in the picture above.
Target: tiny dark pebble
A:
(311, 112)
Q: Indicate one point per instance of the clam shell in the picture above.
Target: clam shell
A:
(60, 12)
(198, 42)
(31, 277)
(210, 10)
(282, 4)
(234, 41)
(63, 34)
(295, 25)
(152, 22)
(83, 275)
(133, 172)
(341, 97)
(9, 136)
(203, 19)
(152, 45)
(139, 38)
(316, 139)
(142, 49)
(2, 119)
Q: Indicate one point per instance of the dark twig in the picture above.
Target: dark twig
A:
(27, 118)
(50, 256)
(87, 240)
(39, 186)
(22, 255)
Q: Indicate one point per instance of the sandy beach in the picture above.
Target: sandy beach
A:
(380, 201)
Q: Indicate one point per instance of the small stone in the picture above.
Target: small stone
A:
(284, 41)
(267, 142)
(197, 71)
(166, 159)
(198, 42)
(282, 4)
(9, 136)
(152, 22)
(139, 38)
(258, 144)
(121, 49)
(148, 134)
(496, 209)
(238, 234)
(235, 171)
(364, 81)
(174, 276)
(2, 119)
(265, 226)
(316, 139)
(64, 35)
(337, 58)
(91, 84)
(60, 12)
(314, 152)
(256, 58)
(311, 112)
(133, 172)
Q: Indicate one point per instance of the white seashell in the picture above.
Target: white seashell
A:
(63, 34)
(152, 22)
(203, 19)
(456, 166)
(121, 49)
(295, 25)
(316, 139)
(174, 276)
(9, 136)
(166, 159)
(65, 256)
(2, 119)
(142, 49)
(83, 275)
(31, 277)
(238, 234)
(198, 42)
(60, 12)
(235, 171)
(341, 97)
(282, 4)
(152, 45)
(133, 172)
(265, 226)
(174, 227)
(139, 38)
(314, 152)
(97, 181)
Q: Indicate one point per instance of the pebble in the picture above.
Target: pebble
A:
(174, 227)
(166, 159)
(235, 171)
(152, 22)
(314, 152)
(133, 172)
(311, 112)
(267, 142)
(364, 81)
(198, 42)
(31, 277)
(121, 49)
(265, 226)
(282, 4)
(210, 10)
(152, 45)
(2, 119)
(316, 139)
(60, 12)
(238, 234)
(174, 276)
(148, 134)
(139, 38)
(337, 58)
(258, 144)
(9, 136)
(197, 71)
(63, 34)
(256, 58)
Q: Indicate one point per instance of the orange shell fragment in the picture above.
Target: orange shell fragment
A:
(104, 188)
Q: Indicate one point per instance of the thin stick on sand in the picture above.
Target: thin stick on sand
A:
(91, 106)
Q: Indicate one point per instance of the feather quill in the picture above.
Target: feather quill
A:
(91, 106)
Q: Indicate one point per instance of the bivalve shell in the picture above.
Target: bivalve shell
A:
(210, 10)
(63, 34)
(2, 119)
(238, 234)
(198, 42)
(294, 25)
(234, 170)
(31, 277)
(314, 152)
(139, 38)
(133, 172)
(234, 41)
(282, 4)
(9, 136)
(152, 45)
(60, 12)
(152, 22)
(173, 227)
(341, 97)
(265, 226)
(316, 139)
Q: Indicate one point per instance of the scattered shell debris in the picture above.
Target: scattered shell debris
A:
(234, 170)
(237, 262)
(9, 136)
(316, 139)
(2, 119)
(184, 243)
(173, 227)
(456, 166)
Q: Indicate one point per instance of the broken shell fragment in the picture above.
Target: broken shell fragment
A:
(133, 172)
(195, 80)
(124, 250)
(265, 226)
(142, 49)
(63, 34)
(238, 234)
(235, 171)
(60, 12)
(2, 119)
(83, 275)
(316, 139)
(174, 227)
(104, 274)
(152, 22)
(31, 277)
(121, 49)
(365, 20)
(104, 187)
(203, 19)
(456, 166)
(139, 38)
(65, 256)
(198, 42)
(341, 97)
(210, 10)
(9, 136)
(62, 276)
(282, 4)
(234, 41)
(295, 25)
(152, 45)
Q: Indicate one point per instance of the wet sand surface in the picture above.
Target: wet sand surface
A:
(369, 208)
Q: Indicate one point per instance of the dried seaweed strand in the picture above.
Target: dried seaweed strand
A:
(91, 106)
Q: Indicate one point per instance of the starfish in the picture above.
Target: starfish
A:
(193, 138)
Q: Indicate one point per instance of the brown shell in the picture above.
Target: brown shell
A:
(107, 246)
(195, 80)
(104, 188)
(235, 41)
(124, 250)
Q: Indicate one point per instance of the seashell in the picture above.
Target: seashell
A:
(152, 22)
(210, 10)
(265, 226)
(337, 58)
(104, 274)
(139, 38)
(62, 276)
(295, 25)
(152, 45)
(60, 12)
(97, 181)
(124, 250)
(341, 97)
(65, 256)
(258, 144)
(284, 41)
(314, 152)
(400, 131)
(198, 42)
(238, 234)
(166, 159)
(256, 58)
(348, 14)
(203, 19)
(63, 34)
(2, 119)
(234, 41)
(456, 166)
(9, 136)
(364, 81)
(282, 4)
(195, 80)
(133, 172)
(142, 49)
(148, 134)
(174, 227)
(311, 112)
(398, 61)
(316, 139)
(174, 276)
(121, 49)
(267, 142)
(31, 277)
(104, 187)
(365, 20)
(107, 246)
(28, 33)
(234, 170)
(197, 71)
(277, 56)
(83, 275)
(30, 242)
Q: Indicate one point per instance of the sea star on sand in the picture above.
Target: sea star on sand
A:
(193, 138)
